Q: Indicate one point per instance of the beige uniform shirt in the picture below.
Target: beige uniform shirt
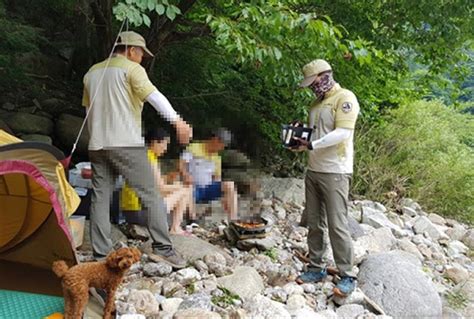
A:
(339, 108)
(118, 93)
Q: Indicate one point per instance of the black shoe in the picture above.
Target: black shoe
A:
(171, 257)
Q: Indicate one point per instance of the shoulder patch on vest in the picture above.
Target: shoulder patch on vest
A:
(346, 107)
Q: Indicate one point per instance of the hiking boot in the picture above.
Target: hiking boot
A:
(312, 276)
(345, 286)
(171, 257)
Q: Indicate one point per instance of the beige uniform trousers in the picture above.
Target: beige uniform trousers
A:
(326, 210)
(132, 163)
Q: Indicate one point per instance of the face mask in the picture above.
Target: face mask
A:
(326, 82)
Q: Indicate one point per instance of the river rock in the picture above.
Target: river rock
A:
(37, 138)
(30, 124)
(67, 128)
(456, 273)
(380, 278)
(349, 311)
(187, 276)
(244, 282)
(196, 313)
(171, 305)
(423, 224)
(160, 269)
(144, 302)
(197, 300)
(262, 307)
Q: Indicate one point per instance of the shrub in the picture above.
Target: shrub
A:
(423, 150)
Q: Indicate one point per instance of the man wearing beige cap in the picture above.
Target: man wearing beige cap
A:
(114, 93)
(333, 116)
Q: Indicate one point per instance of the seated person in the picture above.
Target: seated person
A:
(178, 197)
(200, 165)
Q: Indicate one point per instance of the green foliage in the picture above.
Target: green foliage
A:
(226, 299)
(138, 12)
(424, 150)
(457, 300)
(272, 253)
(16, 39)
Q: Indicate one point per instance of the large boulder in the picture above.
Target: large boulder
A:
(67, 128)
(37, 138)
(285, 189)
(395, 281)
(30, 124)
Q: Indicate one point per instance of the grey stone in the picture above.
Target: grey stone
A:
(407, 245)
(193, 248)
(457, 232)
(356, 297)
(305, 313)
(187, 275)
(468, 239)
(201, 266)
(196, 313)
(157, 269)
(244, 282)
(8, 106)
(285, 189)
(449, 313)
(409, 211)
(380, 240)
(395, 282)
(423, 224)
(260, 243)
(280, 212)
(66, 130)
(37, 138)
(355, 229)
(295, 303)
(144, 302)
(197, 300)
(437, 219)
(207, 285)
(292, 288)
(456, 273)
(349, 311)
(262, 307)
(309, 288)
(170, 288)
(378, 219)
(171, 305)
(277, 294)
(327, 314)
(456, 248)
(30, 124)
(408, 202)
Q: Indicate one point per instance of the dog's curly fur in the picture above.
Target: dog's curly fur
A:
(106, 275)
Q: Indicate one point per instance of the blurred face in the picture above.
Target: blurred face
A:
(135, 54)
(160, 147)
(215, 145)
(316, 81)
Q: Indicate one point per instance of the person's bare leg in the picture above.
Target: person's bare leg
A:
(177, 203)
(229, 199)
(191, 207)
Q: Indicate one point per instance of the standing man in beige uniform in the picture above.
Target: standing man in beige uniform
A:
(332, 116)
(114, 92)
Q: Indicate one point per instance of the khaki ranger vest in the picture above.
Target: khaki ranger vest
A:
(339, 108)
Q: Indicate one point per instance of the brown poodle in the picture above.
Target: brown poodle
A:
(106, 275)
